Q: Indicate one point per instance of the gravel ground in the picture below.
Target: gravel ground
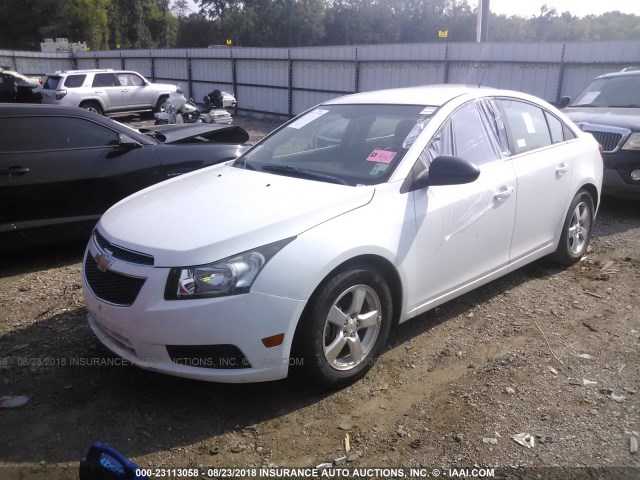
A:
(545, 351)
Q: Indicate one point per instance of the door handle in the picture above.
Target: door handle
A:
(503, 193)
(17, 171)
(562, 169)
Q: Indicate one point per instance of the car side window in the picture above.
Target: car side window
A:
(470, 133)
(53, 133)
(555, 128)
(135, 80)
(105, 80)
(130, 80)
(526, 125)
(74, 81)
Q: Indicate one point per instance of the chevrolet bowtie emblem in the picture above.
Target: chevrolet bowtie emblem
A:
(103, 262)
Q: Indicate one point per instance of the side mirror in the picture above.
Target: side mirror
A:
(127, 143)
(564, 101)
(446, 170)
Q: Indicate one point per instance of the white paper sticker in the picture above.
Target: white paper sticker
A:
(308, 118)
(528, 122)
(587, 98)
(522, 143)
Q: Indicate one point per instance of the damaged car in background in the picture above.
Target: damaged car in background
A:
(359, 214)
(62, 167)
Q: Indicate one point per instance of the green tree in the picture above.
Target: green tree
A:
(86, 20)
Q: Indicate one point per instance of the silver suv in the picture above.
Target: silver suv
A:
(104, 91)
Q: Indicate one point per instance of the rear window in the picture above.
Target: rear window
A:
(51, 83)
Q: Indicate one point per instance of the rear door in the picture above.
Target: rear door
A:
(107, 86)
(58, 172)
(544, 173)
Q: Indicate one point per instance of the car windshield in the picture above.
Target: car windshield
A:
(345, 144)
(619, 91)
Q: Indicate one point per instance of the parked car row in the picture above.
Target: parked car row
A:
(307, 248)
(104, 91)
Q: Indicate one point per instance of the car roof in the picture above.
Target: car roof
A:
(435, 95)
(95, 70)
(623, 73)
(7, 109)
(38, 110)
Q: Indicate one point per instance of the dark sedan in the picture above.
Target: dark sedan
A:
(62, 167)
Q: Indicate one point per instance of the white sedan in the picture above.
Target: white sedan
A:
(363, 212)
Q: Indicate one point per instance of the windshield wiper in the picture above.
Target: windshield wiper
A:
(295, 171)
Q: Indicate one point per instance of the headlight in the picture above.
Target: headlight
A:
(230, 276)
(633, 142)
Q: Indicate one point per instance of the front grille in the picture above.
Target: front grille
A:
(608, 140)
(110, 286)
(122, 253)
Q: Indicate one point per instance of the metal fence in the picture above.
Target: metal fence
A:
(287, 81)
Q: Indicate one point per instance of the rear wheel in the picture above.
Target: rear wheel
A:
(346, 326)
(576, 231)
(92, 107)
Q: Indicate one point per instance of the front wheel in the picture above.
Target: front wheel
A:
(346, 326)
(160, 104)
(576, 231)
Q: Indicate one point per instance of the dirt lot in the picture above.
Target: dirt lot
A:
(547, 351)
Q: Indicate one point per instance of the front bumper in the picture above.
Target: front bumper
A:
(617, 179)
(141, 332)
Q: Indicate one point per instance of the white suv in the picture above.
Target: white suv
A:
(104, 91)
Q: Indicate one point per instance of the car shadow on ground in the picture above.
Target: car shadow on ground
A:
(40, 259)
(80, 392)
(616, 215)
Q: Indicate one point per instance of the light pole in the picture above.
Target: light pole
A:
(482, 27)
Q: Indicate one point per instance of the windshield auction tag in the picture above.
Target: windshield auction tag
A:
(308, 118)
(381, 156)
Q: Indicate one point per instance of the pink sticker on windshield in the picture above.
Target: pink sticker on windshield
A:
(381, 156)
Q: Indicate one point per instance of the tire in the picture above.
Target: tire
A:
(336, 346)
(576, 231)
(92, 107)
(161, 100)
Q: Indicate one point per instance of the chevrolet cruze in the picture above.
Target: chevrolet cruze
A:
(361, 213)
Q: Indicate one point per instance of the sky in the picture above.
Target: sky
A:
(527, 8)
(580, 8)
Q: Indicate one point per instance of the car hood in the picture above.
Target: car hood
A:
(222, 210)
(614, 117)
